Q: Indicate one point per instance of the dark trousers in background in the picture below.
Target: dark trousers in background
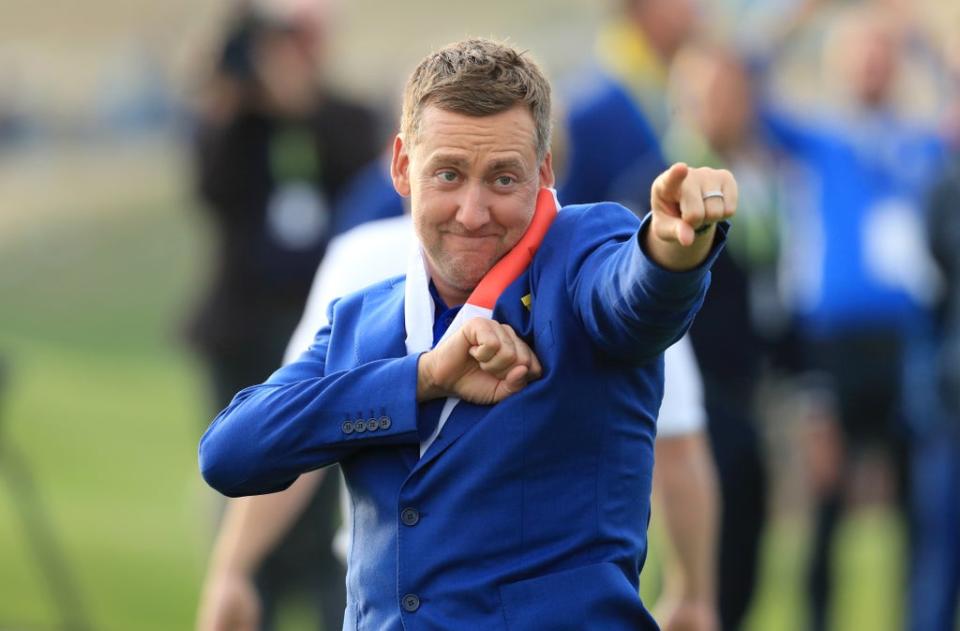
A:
(737, 451)
(865, 369)
(935, 504)
(934, 415)
(303, 565)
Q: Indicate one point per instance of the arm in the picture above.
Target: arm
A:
(225, 141)
(636, 292)
(686, 492)
(251, 528)
(297, 421)
(685, 486)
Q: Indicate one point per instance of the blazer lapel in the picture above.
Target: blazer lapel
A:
(463, 417)
(511, 309)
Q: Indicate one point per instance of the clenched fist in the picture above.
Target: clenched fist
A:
(687, 203)
(484, 363)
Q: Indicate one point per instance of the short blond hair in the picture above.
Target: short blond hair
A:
(478, 77)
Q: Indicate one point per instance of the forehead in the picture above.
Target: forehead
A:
(508, 133)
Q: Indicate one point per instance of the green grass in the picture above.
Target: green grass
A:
(106, 410)
(106, 407)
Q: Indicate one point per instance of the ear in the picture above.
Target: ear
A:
(547, 179)
(400, 167)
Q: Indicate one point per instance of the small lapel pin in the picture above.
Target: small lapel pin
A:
(527, 301)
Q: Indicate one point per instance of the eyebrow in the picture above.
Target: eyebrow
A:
(459, 162)
(447, 159)
(506, 164)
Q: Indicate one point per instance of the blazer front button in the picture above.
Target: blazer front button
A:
(385, 422)
(347, 427)
(411, 602)
(410, 516)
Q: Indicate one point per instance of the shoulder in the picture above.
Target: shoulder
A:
(380, 290)
(593, 92)
(600, 216)
(367, 254)
(606, 107)
(581, 227)
(370, 299)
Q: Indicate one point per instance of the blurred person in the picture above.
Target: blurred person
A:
(684, 478)
(618, 111)
(616, 121)
(456, 473)
(275, 148)
(714, 122)
(935, 384)
(686, 491)
(857, 274)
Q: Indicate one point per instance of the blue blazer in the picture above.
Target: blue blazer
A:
(530, 514)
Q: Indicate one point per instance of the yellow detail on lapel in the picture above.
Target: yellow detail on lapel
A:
(527, 301)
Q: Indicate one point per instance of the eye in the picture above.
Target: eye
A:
(505, 180)
(447, 176)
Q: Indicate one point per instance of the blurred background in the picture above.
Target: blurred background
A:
(108, 254)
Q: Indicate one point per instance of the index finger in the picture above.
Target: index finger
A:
(669, 184)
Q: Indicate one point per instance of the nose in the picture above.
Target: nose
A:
(474, 211)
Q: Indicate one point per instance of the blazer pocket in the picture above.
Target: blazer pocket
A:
(590, 597)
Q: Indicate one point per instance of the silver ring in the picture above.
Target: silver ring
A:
(710, 194)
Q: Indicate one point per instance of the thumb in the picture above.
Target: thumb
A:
(675, 229)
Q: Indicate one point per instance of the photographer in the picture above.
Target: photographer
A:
(274, 150)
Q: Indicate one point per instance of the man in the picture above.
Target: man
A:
(684, 478)
(859, 281)
(275, 150)
(934, 384)
(495, 472)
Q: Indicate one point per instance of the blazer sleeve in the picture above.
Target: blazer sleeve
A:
(630, 307)
(302, 419)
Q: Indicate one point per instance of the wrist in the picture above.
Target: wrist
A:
(703, 229)
(232, 567)
(427, 388)
(673, 256)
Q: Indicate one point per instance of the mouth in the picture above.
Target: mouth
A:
(472, 238)
(469, 235)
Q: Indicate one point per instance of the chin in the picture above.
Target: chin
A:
(466, 281)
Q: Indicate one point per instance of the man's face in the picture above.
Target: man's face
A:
(472, 183)
(873, 61)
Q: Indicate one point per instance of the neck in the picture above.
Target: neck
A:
(450, 295)
(661, 47)
(452, 298)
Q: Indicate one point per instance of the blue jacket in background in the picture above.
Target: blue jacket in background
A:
(614, 152)
(856, 248)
